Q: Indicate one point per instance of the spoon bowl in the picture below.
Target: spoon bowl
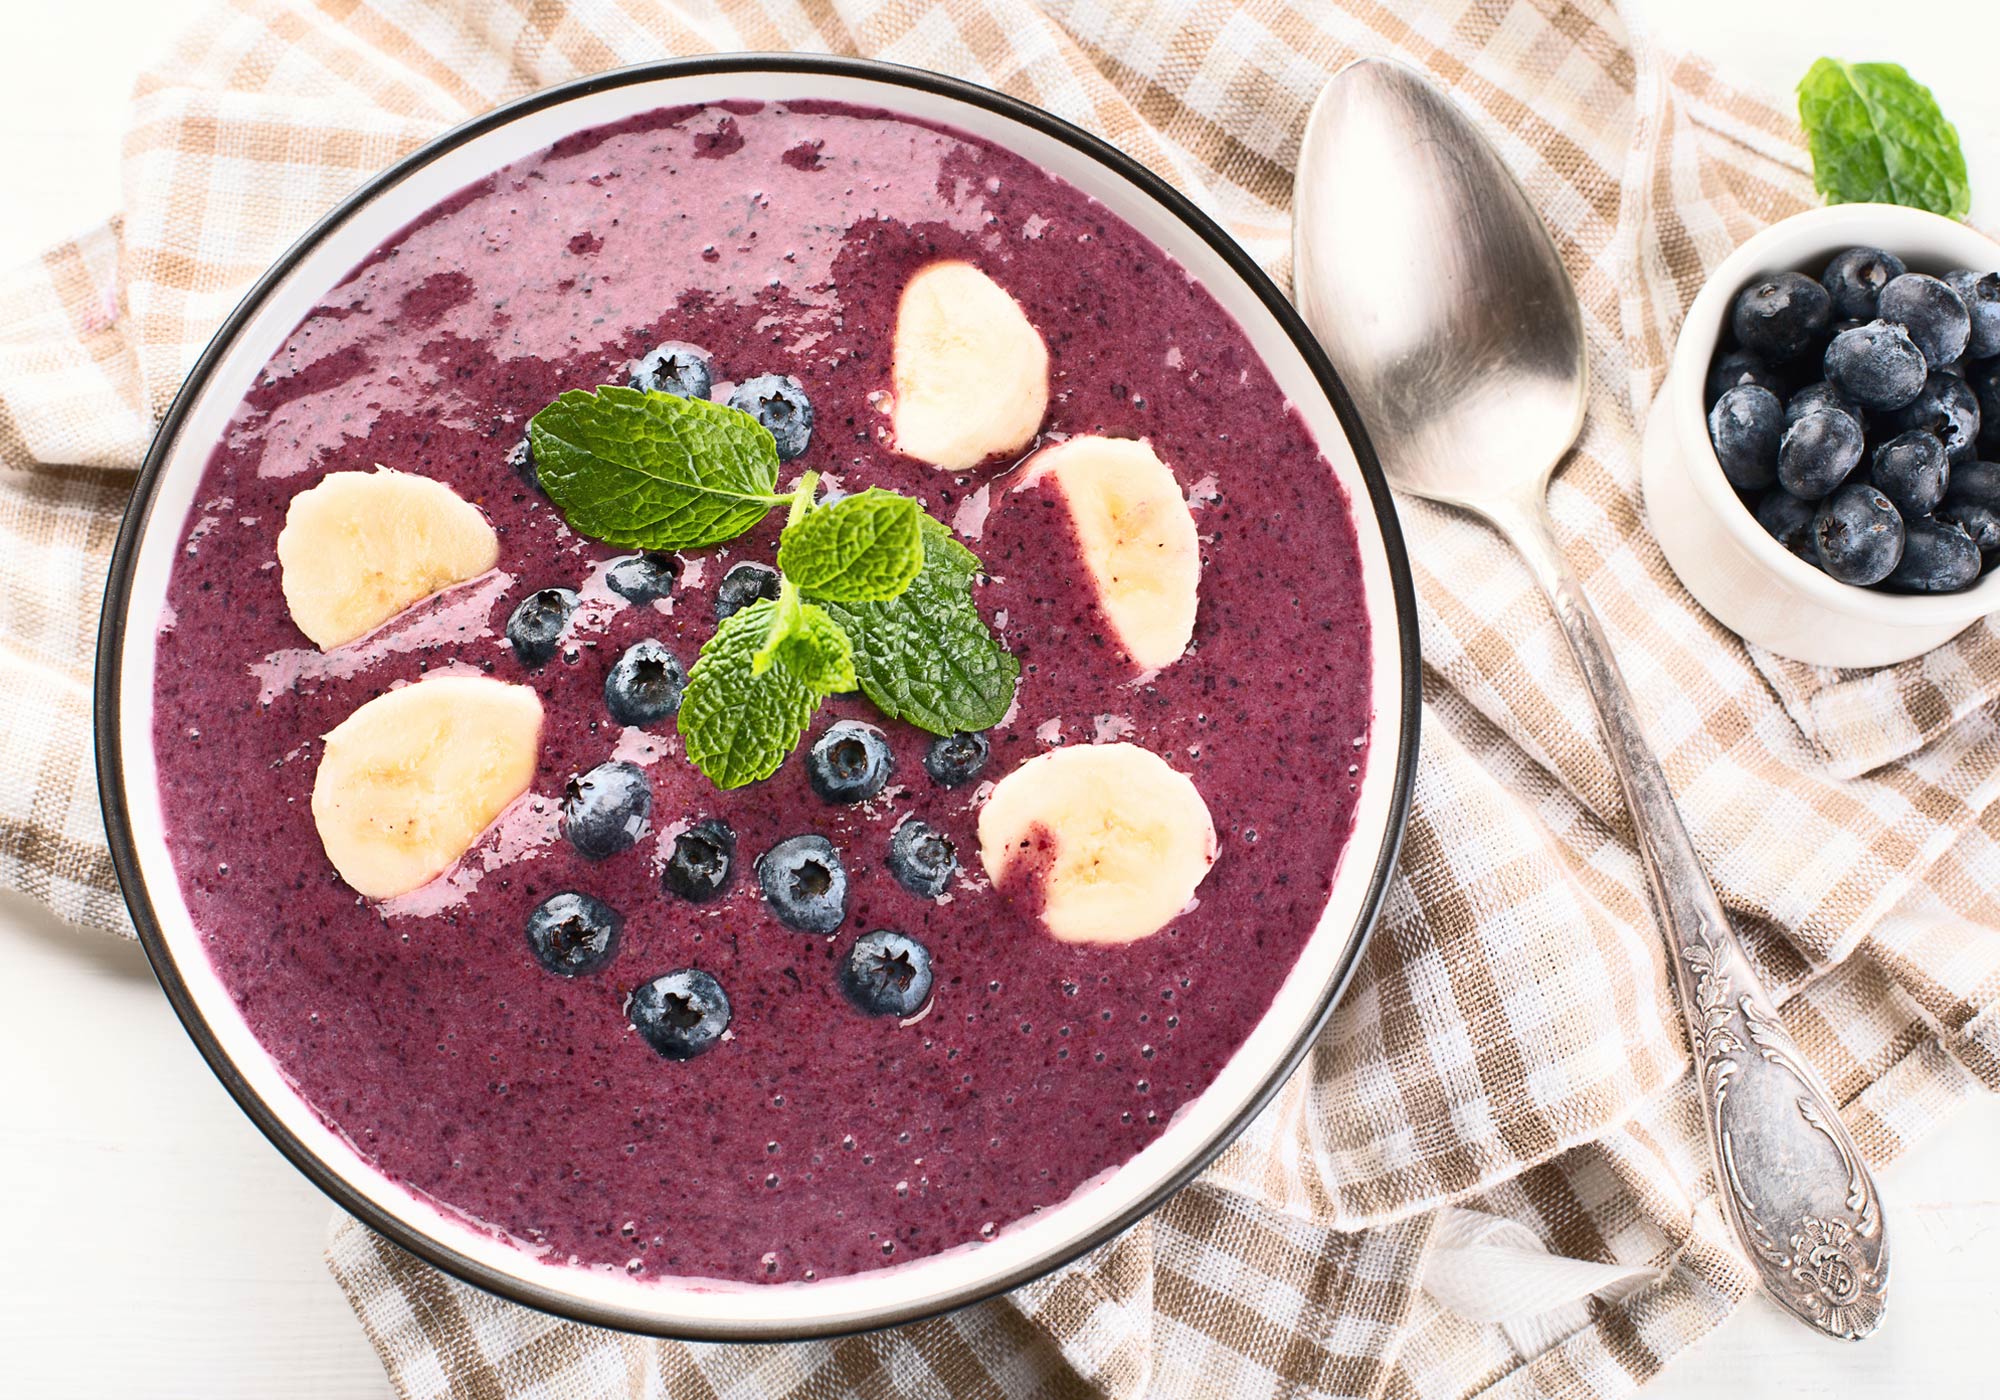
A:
(1450, 311)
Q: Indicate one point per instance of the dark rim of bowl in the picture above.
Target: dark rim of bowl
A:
(117, 816)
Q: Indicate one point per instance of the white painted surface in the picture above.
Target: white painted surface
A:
(159, 1247)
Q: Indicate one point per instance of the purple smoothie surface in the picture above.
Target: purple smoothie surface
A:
(815, 1141)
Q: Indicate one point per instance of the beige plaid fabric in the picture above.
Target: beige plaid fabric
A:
(1509, 1042)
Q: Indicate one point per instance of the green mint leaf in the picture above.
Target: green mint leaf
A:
(738, 724)
(1877, 136)
(652, 470)
(861, 549)
(927, 656)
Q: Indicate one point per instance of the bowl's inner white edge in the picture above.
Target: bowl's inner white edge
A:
(834, 1302)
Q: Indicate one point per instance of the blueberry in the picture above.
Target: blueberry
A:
(1981, 295)
(1972, 500)
(645, 684)
(1823, 395)
(521, 461)
(887, 974)
(1931, 312)
(607, 809)
(779, 402)
(674, 368)
(704, 856)
(849, 762)
(1781, 315)
(1948, 407)
(1746, 426)
(1876, 365)
(1737, 367)
(921, 859)
(536, 626)
(805, 883)
(1910, 469)
(743, 585)
(642, 578)
(953, 760)
(1789, 521)
(680, 1014)
(1938, 557)
(1855, 279)
(572, 934)
(1858, 534)
(1817, 454)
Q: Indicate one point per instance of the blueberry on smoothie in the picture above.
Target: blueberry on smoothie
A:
(1817, 454)
(1855, 279)
(1949, 408)
(521, 461)
(674, 368)
(1823, 395)
(642, 578)
(1734, 368)
(1931, 312)
(921, 859)
(1746, 426)
(1911, 470)
(703, 859)
(1981, 295)
(536, 625)
(1876, 365)
(1789, 520)
(1780, 315)
(1858, 534)
(1938, 557)
(743, 585)
(849, 762)
(953, 760)
(680, 1014)
(887, 974)
(1972, 500)
(607, 809)
(645, 684)
(804, 883)
(779, 402)
(572, 934)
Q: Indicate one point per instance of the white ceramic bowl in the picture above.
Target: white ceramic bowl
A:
(155, 522)
(1732, 566)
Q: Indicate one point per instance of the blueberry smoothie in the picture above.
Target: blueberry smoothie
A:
(463, 1035)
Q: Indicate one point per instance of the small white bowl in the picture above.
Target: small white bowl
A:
(1747, 580)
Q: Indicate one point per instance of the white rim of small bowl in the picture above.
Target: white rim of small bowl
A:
(1783, 248)
(699, 1308)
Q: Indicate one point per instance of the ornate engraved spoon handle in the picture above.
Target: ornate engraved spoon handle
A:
(1796, 1189)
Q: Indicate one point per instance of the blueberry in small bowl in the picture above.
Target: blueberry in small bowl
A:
(1867, 537)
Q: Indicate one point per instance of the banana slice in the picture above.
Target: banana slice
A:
(1137, 536)
(971, 373)
(411, 779)
(1122, 839)
(361, 546)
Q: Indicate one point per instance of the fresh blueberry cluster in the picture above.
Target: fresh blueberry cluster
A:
(1851, 412)
(778, 401)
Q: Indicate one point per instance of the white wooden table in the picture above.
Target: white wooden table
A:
(157, 1246)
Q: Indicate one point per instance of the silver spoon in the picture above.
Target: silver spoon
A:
(1444, 306)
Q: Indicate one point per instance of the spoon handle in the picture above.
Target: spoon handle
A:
(1795, 1188)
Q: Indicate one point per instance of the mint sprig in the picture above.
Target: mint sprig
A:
(926, 655)
(1877, 135)
(739, 722)
(652, 470)
(876, 594)
(861, 549)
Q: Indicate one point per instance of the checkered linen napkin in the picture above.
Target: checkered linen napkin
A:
(1510, 1042)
